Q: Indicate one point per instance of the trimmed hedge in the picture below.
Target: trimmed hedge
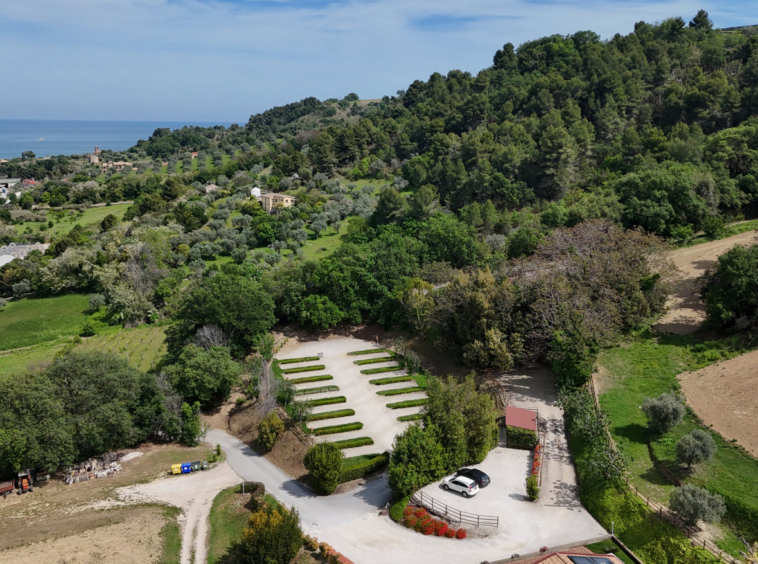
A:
(328, 401)
(333, 429)
(331, 414)
(375, 360)
(304, 369)
(408, 403)
(367, 351)
(364, 467)
(411, 417)
(353, 443)
(317, 390)
(520, 438)
(393, 380)
(294, 360)
(397, 509)
(380, 370)
(307, 379)
(399, 391)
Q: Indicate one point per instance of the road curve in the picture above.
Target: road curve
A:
(318, 513)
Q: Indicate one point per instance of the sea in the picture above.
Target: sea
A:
(53, 137)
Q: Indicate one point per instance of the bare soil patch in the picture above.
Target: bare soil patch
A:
(134, 537)
(725, 395)
(685, 310)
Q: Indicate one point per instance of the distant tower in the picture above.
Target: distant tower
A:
(97, 150)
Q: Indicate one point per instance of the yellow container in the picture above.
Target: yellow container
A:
(176, 468)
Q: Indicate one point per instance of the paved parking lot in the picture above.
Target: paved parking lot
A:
(379, 422)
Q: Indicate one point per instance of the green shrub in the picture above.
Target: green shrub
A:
(411, 417)
(353, 443)
(408, 403)
(269, 430)
(362, 466)
(397, 508)
(418, 459)
(394, 380)
(317, 390)
(333, 429)
(367, 351)
(306, 379)
(380, 370)
(532, 489)
(332, 414)
(327, 401)
(400, 391)
(294, 360)
(324, 463)
(694, 448)
(304, 369)
(375, 360)
(273, 536)
(664, 412)
(520, 438)
(694, 504)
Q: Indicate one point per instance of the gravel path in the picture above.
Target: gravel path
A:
(193, 494)
(685, 310)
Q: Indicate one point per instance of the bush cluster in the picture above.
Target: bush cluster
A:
(353, 472)
(332, 429)
(409, 403)
(375, 360)
(316, 390)
(304, 369)
(400, 391)
(295, 360)
(367, 351)
(520, 438)
(331, 414)
(393, 368)
(327, 401)
(307, 379)
(422, 522)
(270, 429)
(353, 443)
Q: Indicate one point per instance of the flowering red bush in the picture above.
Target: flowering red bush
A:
(440, 528)
(450, 533)
(423, 522)
(408, 510)
(461, 534)
(410, 521)
(420, 512)
(429, 529)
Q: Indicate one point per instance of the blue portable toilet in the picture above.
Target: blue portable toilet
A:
(186, 467)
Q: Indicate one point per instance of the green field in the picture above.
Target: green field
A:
(91, 216)
(142, 347)
(324, 245)
(25, 359)
(33, 321)
(647, 367)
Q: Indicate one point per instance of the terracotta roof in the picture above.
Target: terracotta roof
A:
(522, 418)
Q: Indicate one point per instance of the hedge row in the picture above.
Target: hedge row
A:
(317, 390)
(307, 379)
(409, 403)
(393, 380)
(380, 370)
(332, 429)
(367, 351)
(520, 438)
(328, 401)
(310, 368)
(353, 443)
(375, 360)
(365, 468)
(411, 417)
(294, 360)
(331, 414)
(399, 391)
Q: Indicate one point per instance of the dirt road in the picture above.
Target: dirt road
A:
(193, 494)
(685, 310)
(724, 395)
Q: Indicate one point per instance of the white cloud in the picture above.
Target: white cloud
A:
(188, 59)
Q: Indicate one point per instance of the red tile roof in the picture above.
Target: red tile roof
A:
(522, 418)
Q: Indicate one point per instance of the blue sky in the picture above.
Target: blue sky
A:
(207, 60)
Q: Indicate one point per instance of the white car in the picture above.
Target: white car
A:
(464, 486)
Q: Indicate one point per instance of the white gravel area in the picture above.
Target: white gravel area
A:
(379, 422)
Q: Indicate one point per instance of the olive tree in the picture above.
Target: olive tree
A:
(694, 448)
(695, 504)
(664, 412)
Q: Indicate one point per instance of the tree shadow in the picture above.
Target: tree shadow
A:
(634, 432)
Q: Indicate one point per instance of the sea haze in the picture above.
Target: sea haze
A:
(77, 137)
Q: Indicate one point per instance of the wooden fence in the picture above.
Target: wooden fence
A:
(451, 514)
(696, 537)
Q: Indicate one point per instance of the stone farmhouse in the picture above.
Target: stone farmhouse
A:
(271, 201)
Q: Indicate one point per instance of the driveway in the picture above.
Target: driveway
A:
(351, 523)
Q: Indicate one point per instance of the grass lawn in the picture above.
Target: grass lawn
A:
(324, 245)
(33, 321)
(91, 216)
(195, 165)
(209, 162)
(179, 167)
(225, 159)
(20, 361)
(647, 367)
(610, 547)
